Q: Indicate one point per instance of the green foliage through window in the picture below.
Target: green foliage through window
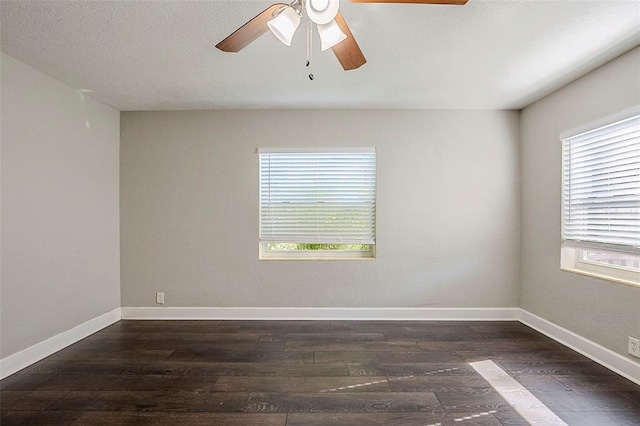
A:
(316, 246)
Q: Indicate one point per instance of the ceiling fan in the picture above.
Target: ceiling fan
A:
(283, 20)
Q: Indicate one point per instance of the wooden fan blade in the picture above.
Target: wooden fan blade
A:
(454, 2)
(347, 51)
(250, 31)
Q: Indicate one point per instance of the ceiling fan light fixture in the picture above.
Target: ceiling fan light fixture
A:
(322, 11)
(330, 35)
(284, 25)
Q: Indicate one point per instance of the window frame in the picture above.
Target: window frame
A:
(572, 260)
(572, 253)
(270, 254)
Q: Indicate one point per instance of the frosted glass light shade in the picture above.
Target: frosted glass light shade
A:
(285, 25)
(330, 35)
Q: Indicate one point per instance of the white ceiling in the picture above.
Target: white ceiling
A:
(160, 55)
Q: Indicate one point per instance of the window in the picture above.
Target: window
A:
(601, 202)
(317, 204)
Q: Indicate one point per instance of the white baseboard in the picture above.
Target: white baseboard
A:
(624, 366)
(387, 314)
(35, 353)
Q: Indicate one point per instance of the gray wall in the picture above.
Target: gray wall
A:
(447, 209)
(602, 311)
(60, 200)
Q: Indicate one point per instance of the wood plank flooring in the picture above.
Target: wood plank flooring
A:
(306, 373)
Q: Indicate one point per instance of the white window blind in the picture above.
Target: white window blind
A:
(318, 196)
(601, 188)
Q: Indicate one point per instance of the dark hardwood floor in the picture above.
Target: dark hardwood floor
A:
(310, 373)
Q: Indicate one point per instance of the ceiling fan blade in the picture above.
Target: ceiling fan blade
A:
(250, 31)
(453, 2)
(347, 51)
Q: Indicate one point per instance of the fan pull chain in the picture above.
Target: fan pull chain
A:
(309, 46)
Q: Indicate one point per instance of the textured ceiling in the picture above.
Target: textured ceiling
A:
(160, 55)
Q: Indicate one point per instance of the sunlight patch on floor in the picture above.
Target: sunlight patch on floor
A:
(520, 399)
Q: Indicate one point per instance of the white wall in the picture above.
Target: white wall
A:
(602, 311)
(447, 209)
(60, 201)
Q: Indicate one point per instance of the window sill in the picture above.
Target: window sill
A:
(601, 276)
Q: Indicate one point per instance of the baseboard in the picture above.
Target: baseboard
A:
(387, 314)
(607, 358)
(35, 353)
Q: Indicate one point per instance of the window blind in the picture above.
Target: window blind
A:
(601, 187)
(318, 196)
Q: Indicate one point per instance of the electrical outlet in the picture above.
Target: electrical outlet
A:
(160, 298)
(634, 346)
